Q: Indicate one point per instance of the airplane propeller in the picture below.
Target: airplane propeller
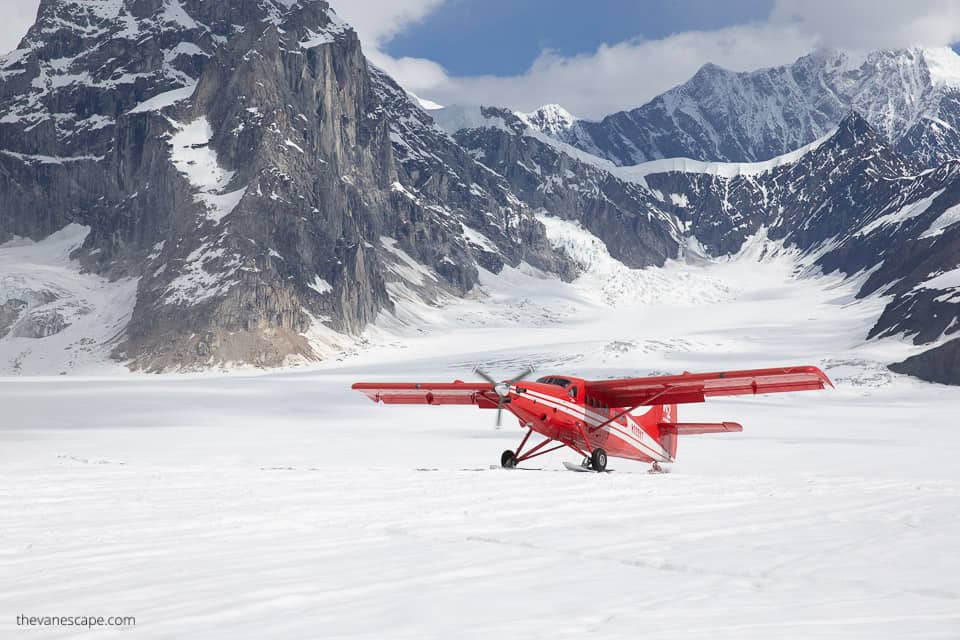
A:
(502, 389)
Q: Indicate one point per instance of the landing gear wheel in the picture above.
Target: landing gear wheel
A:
(598, 459)
(508, 459)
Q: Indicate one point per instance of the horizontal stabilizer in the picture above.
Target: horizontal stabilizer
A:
(696, 428)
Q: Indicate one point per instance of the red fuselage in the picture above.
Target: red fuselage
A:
(565, 414)
(595, 417)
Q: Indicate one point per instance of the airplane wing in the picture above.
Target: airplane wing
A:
(697, 387)
(478, 393)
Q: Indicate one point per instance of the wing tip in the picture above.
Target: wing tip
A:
(367, 389)
(817, 371)
(824, 378)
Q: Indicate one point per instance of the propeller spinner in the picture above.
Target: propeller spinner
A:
(502, 389)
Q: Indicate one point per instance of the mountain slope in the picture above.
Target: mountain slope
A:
(855, 202)
(269, 194)
(909, 95)
(635, 227)
(850, 199)
(239, 160)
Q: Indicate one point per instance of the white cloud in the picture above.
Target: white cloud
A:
(18, 15)
(613, 77)
(873, 24)
(376, 21)
(627, 74)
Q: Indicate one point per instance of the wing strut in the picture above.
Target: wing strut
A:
(636, 406)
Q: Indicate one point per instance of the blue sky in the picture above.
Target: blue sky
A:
(503, 37)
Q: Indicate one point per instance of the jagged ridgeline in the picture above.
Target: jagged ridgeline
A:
(911, 96)
(244, 161)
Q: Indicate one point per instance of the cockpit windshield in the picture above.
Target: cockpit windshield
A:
(560, 382)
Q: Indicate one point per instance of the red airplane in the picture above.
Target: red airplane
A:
(595, 417)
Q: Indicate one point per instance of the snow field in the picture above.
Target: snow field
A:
(286, 505)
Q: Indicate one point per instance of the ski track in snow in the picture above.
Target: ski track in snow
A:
(285, 505)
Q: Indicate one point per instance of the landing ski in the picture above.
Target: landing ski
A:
(582, 469)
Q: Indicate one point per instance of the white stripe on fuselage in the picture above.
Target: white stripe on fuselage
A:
(580, 412)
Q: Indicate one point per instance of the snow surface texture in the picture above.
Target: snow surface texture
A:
(280, 505)
(723, 169)
(900, 216)
(166, 99)
(60, 319)
(191, 154)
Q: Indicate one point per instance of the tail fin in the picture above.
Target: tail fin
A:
(661, 422)
(666, 415)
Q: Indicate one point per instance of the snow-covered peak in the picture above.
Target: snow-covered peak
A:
(425, 104)
(944, 66)
(327, 34)
(908, 95)
(551, 119)
(73, 50)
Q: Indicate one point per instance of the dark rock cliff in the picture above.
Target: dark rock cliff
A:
(244, 162)
(941, 364)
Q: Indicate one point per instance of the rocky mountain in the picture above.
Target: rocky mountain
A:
(850, 199)
(796, 201)
(634, 225)
(911, 96)
(853, 200)
(244, 163)
(551, 119)
(936, 365)
(257, 190)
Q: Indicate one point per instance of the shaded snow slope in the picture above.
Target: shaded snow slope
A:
(723, 169)
(191, 154)
(54, 318)
(766, 300)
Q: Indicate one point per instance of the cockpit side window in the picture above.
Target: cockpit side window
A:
(559, 382)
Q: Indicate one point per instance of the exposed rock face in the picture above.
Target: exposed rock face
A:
(851, 199)
(263, 183)
(241, 159)
(941, 364)
(9, 314)
(635, 226)
(909, 95)
(35, 313)
(287, 233)
(857, 202)
(828, 192)
(447, 177)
